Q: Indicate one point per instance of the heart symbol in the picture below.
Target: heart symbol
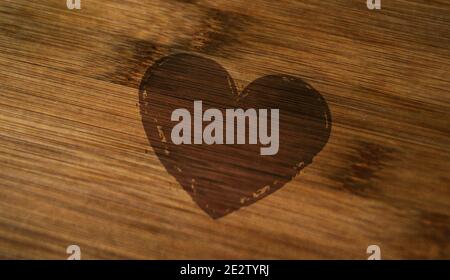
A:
(224, 178)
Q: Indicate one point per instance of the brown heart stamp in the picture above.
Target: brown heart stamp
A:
(229, 149)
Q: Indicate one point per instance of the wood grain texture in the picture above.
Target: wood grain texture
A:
(77, 168)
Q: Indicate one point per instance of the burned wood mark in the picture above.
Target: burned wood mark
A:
(224, 178)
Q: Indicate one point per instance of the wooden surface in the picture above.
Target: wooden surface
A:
(76, 166)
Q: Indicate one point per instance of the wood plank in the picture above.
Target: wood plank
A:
(76, 166)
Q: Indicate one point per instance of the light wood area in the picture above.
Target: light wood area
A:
(76, 166)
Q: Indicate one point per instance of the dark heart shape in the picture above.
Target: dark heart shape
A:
(223, 178)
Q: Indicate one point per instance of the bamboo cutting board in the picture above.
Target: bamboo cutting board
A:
(76, 166)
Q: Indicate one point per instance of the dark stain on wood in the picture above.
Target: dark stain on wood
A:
(221, 30)
(364, 164)
(134, 57)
